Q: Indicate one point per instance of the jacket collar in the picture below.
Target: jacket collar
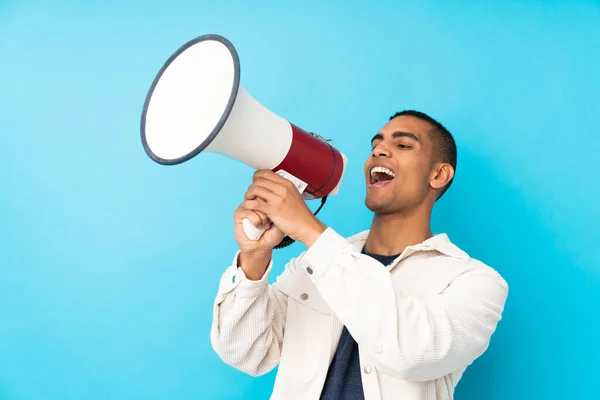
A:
(439, 242)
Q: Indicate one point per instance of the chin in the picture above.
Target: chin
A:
(377, 207)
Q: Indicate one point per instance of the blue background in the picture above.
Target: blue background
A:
(110, 262)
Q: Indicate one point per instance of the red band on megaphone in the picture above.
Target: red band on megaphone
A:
(314, 161)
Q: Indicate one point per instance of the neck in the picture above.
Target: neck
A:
(390, 234)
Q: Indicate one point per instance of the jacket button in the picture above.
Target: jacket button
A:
(304, 296)
(233, 279)
(309, 270)
(367, 369)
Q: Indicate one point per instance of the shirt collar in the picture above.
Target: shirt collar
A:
(439, 242)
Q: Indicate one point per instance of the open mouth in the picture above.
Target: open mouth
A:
(381, 176)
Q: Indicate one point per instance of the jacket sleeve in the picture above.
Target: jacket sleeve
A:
(248, 321)
(410, 338)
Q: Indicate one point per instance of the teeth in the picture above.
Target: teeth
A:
(382, 170)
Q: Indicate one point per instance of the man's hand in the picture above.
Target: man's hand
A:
(255, 255)
(278, 199)
(270, 238)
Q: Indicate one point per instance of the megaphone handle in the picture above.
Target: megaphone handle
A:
(251, 231)
(254, 233)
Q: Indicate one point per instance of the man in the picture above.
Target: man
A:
(394, 312)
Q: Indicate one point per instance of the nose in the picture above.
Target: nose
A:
(381, 151)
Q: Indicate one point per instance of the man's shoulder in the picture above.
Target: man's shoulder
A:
(460, 257)
(477, 266)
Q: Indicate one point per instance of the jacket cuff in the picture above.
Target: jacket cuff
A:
(324, 252)
(235, 278)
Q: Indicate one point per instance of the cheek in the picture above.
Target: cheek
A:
(365, 166)
(414, 177)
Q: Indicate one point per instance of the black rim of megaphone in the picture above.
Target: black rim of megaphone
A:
(230, 102)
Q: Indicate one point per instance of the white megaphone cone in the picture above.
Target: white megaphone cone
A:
(197, 104)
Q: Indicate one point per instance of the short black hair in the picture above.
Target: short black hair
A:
(444, 147)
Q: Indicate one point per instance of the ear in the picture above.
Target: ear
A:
(441, 175)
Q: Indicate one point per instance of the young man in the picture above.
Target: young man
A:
(394, 312)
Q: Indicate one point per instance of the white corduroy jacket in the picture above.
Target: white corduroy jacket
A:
(418, 322)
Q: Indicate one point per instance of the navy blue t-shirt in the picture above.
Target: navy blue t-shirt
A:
(343, 378)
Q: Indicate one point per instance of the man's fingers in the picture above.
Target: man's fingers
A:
(257, 204)
(257, 218)
(262, 219)
(270, 177)
(278, 188)
(260, 191)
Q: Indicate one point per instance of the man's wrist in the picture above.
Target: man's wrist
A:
(314, 231)
(254, 264)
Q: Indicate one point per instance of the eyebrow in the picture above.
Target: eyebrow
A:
(396, 134)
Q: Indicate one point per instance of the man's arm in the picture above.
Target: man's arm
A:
(410, 338)
(248, 318)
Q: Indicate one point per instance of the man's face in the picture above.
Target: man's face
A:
(397, 172)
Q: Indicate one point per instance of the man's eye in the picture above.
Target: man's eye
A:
(403, 146)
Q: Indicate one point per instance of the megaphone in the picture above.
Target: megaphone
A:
(197, 104)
